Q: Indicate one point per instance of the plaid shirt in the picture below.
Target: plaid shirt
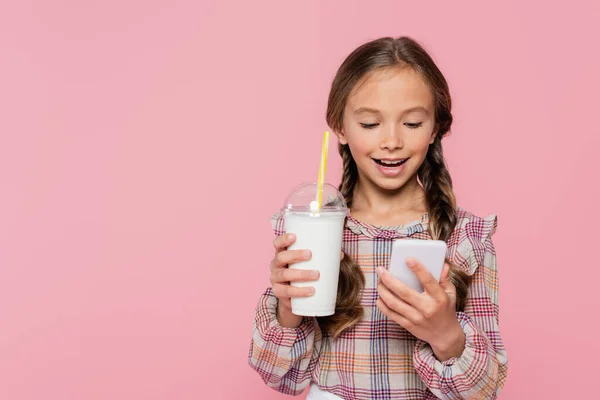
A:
(378, 359)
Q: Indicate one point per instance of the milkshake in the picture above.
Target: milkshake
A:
(320, 230)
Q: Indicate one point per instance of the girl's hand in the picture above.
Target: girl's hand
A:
(281, 276)
(431, 315)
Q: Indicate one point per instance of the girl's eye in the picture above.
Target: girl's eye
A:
(369, 126)
(413, 125)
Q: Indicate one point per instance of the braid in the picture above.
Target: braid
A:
(348, 310)
(436, 180)
(350, 175)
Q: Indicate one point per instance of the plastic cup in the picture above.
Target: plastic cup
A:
(320, 231)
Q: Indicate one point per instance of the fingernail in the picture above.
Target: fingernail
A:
(379, 270)
(314, 274)
(410, 262)
(306, 253)
(311, 291)
(290, 236)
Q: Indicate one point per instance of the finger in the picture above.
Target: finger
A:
(396, 304)
(430, 284)
(287, 291)
(406, 293)
(287, 257)
(445, 277)
(282, 241)
(446, 283)
(394, 316)
(293, 275)
(341, 255)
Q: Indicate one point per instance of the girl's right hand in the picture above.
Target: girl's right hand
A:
(281, 275)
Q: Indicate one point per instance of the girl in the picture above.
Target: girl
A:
(390, 107)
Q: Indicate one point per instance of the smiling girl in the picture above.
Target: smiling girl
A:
(390, 108)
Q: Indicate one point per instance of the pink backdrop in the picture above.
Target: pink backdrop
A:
(144, 144)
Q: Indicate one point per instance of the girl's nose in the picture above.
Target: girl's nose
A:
(391, 139)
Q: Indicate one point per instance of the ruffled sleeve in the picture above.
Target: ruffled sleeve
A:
(467, 244)
(480, 372)
(277, 223)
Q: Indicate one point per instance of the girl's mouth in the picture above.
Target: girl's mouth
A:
(390, 167)
(390, 163)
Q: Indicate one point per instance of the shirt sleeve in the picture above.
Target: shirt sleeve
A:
(283, 357)
(480, 371)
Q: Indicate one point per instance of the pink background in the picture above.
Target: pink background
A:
(144, 145)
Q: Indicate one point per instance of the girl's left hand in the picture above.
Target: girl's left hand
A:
(431, 315)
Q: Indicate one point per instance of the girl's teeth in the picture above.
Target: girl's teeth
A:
(387, 163)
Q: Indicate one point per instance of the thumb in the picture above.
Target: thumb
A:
(445, 282)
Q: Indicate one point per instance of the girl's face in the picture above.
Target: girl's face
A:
(388, 124)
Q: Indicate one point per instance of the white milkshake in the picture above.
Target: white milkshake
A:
(320, 232)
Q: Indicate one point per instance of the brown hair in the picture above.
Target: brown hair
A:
(433, 174)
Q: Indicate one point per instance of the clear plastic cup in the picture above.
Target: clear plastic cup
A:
(321, 232)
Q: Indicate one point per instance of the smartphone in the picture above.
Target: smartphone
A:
(431, 253)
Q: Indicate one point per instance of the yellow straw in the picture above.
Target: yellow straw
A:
(322, 169)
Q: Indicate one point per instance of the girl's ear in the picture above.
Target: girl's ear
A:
(341, 137)
(434, 134)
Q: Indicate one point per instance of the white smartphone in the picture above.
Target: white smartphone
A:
(431, 253)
